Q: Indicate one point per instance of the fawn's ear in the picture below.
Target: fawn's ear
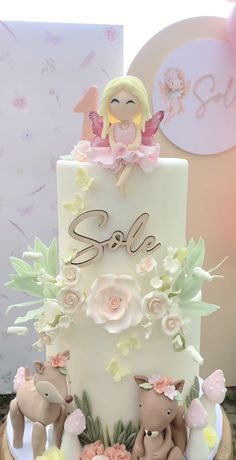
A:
(179, 385)
(66, 354)
(140, 379)
(39, 367)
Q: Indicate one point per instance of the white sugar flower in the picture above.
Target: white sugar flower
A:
(115, 302)
(171, 323)
(171, 263)
(70, 275)
(52, 310)
(65, 321)
(146, 265)
(70, 300)
(156, 282)
(155, 305)
(46, 337)
(32, 255)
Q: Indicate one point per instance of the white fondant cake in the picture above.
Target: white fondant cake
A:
(162, 195)
(126, 301)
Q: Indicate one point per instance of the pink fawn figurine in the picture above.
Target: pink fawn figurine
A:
(162, 434)
(41, 398)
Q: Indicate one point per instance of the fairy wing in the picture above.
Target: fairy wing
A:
(97, 122)
(151, 127)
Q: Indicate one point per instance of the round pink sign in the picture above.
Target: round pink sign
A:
(196, 87)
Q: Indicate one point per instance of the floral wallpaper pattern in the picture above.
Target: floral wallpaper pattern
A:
(44, 71)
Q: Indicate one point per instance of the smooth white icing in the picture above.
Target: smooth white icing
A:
(162, 194)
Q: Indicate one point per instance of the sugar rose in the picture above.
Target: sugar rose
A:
(70, 275)
(155, 305)
(115, 302)
(70, 300)
(171, 323)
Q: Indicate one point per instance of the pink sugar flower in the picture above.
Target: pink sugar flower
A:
(154, 378)
(170, 392)
(19, 102)
(58, 360)
(161, 384)
(117, 452)
(91, 450)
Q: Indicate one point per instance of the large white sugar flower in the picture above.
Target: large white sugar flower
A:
(171, 323)
(146, 265)
(70, 300)
(171, 263)
(70, 275)
(155, 305)
(115, 302)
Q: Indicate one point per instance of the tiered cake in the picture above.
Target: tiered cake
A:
(126, 301)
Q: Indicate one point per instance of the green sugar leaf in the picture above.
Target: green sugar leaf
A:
(21, 267)
(195, 255)
(32, 314)
(86, 404)
(198, 308)
(23, 304)
(52, 259)
(146, 386)
(191, 286)
(25, 284)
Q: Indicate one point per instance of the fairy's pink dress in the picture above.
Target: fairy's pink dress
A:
(116, 156)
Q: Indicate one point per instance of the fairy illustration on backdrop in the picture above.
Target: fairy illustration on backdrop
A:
(124, 129)
(173, 91)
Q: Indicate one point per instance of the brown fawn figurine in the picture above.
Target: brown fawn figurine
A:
(162, 434)
(41, 398)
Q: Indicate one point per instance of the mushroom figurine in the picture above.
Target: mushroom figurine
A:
(74, 425)
(196, 419)
(214, 390)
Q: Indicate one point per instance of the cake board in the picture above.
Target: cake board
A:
(225, 451)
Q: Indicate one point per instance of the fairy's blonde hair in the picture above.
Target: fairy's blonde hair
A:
(134, 86)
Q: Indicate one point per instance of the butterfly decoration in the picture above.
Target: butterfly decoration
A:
(83, 180)
(27, 211)
(75, 206)
(54, 40)
(116, 370)
(125, 346)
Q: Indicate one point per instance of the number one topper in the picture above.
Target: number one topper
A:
(87, 103)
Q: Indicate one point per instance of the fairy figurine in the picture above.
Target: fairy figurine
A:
(124, 129)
